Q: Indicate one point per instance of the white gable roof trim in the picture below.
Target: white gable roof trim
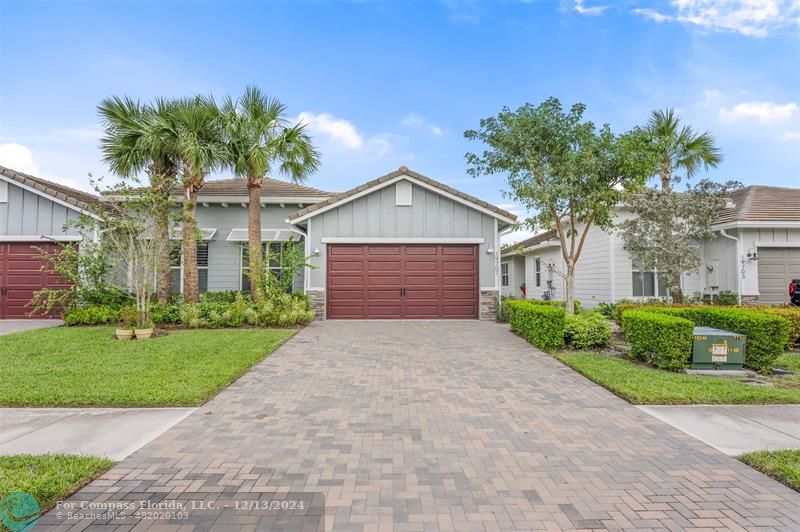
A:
(390, 182)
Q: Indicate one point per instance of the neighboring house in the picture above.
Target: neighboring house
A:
(400, 246)
(755, 253)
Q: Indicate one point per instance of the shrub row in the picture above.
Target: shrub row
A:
(767, 334)
(660, 339)
(540, 324)
(790, 314)
(279, 311)
(587, 330)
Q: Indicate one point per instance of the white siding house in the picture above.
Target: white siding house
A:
(755, 252)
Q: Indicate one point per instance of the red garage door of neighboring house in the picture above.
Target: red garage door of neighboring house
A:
(21, 274)
(402, 281)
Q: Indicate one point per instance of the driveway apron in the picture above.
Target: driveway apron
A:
(427, 425)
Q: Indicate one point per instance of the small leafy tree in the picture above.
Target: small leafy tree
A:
(668, 227)
(565, 171)
(85, 270)
(290, 260)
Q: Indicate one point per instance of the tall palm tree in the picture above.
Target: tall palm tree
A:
(679, 148)
(193, 124)
(259, 140)
(127, 126)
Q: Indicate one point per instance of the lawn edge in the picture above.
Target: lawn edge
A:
(744, 458)
(278, 345)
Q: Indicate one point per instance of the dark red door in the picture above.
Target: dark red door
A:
(402, 281)
(22, 273)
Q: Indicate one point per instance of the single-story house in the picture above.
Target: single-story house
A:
(400, 246)
(755, 252)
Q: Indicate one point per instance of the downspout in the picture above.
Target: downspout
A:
(738, 270)
(306, 251)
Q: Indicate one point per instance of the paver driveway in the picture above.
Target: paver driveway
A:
(439, 425)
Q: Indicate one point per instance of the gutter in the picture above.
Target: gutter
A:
(738, 258)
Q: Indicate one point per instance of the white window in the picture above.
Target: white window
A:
(176, 258)
(537, 270)
(275, 250)
(504, 274)
(645, 283)
(3, 192)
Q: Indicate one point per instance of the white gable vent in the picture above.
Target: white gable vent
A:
(402, 193)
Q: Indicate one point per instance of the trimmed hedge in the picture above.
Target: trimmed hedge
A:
(92, 315)
(587, 330)
(540, 324)
(767, 334)
(790, 314)
(660, 339)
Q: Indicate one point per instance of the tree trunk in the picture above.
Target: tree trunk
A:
(163, 266)
(569, 303)
(677, 291)
(255, 255)
(191, 278)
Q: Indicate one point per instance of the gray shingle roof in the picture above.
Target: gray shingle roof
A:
(271, 187)
(78, 198)
(397, 173)
(761, 203)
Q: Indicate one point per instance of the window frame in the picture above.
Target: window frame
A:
(179, 268)
(265, 245)
(504, 277)
(537, 272)
(636, 270)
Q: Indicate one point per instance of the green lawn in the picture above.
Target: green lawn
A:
(50, 477)
(790, 361)
(646, 386)
(79, 366)
(783, 466)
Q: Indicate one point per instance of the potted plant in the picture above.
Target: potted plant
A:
(128, 318)
(523, 290)
(144, 330)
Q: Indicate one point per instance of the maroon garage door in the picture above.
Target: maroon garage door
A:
(402, 281)
(21, 274)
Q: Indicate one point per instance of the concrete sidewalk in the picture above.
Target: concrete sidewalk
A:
(15, 326)
(112, 432)
(735, 429)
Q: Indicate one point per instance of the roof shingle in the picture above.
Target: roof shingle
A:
(78, 198)
(762, 203)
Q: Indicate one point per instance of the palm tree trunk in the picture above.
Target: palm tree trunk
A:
(254, 241)
(191, 277)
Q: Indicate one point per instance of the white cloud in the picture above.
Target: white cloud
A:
(18, 157)
(413, 120)
(790, 136)
(588, 11)
(764, 112)
(338, 130)
(710, 96)
(755, 18)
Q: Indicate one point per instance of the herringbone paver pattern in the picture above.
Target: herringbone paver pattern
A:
(435, 426)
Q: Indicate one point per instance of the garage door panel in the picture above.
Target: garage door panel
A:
(346, 251)
(347, 266)
(439, 281)
(383, 266)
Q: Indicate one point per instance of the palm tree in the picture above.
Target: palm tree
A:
(258, 140)
(193, 124)
(679, 148)
(127, 126)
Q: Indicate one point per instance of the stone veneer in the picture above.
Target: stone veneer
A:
(317, 298)
(749, 300)
(488, 305)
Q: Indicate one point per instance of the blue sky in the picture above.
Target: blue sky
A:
(384, 84)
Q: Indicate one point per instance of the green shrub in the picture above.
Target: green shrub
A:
(223, 296)
(660, 339)
(790, 314)
(502, 309)
(92, 315)
(540, 324)
(767, 334)
(282, 310)
(584, 331)
(726, 298)
(129, 317)
(166, 314)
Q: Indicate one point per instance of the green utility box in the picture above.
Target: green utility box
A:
(716, 349)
